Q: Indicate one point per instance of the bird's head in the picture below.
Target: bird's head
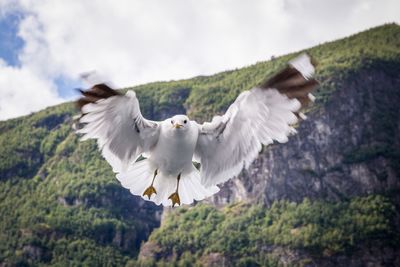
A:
(180, 122)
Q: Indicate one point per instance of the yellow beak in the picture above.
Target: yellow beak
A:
(177, 125)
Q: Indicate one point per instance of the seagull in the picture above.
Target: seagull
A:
(156, 159)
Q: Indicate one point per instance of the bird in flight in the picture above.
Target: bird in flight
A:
(155, 159)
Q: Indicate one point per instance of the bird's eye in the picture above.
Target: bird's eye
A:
(185, 121)
(172, 122)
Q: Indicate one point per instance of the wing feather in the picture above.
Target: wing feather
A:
(115, 121)
(257, 117)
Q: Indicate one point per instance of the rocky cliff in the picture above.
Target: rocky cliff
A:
(348, 146)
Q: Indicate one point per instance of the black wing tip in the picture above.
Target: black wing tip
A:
(96, 92)
(296, 80)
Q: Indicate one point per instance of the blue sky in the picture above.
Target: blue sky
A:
(45, 45)
(66, 87)
(10, 44)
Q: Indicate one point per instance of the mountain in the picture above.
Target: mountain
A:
(327, 197)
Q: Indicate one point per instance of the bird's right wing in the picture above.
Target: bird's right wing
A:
(115, 121)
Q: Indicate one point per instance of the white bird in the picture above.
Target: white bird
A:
(154, 159)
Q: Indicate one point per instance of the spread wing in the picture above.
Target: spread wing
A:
(115, 121)
(257, 117)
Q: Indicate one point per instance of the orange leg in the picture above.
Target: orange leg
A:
(150, 190)
(175, 196)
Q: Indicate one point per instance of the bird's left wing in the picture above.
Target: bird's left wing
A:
(115, 120)
(257, 117)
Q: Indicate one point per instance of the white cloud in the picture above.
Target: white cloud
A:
(133, 42)
(22, 92)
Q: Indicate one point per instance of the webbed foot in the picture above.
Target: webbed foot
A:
(175, 199)
(149, 191)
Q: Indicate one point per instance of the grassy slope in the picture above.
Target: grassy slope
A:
(59, 201)
(246, 234)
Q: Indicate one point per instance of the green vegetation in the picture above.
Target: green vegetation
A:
(61, 205)
(59, 201)
(243, 230)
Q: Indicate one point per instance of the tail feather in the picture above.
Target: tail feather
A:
(142, 173)
(139, 176)
(185, 197)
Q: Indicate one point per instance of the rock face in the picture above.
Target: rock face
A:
(364, 255)
(347, 147)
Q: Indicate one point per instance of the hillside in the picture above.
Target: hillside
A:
(329, 196)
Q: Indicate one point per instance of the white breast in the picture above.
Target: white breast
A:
(174, 150)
